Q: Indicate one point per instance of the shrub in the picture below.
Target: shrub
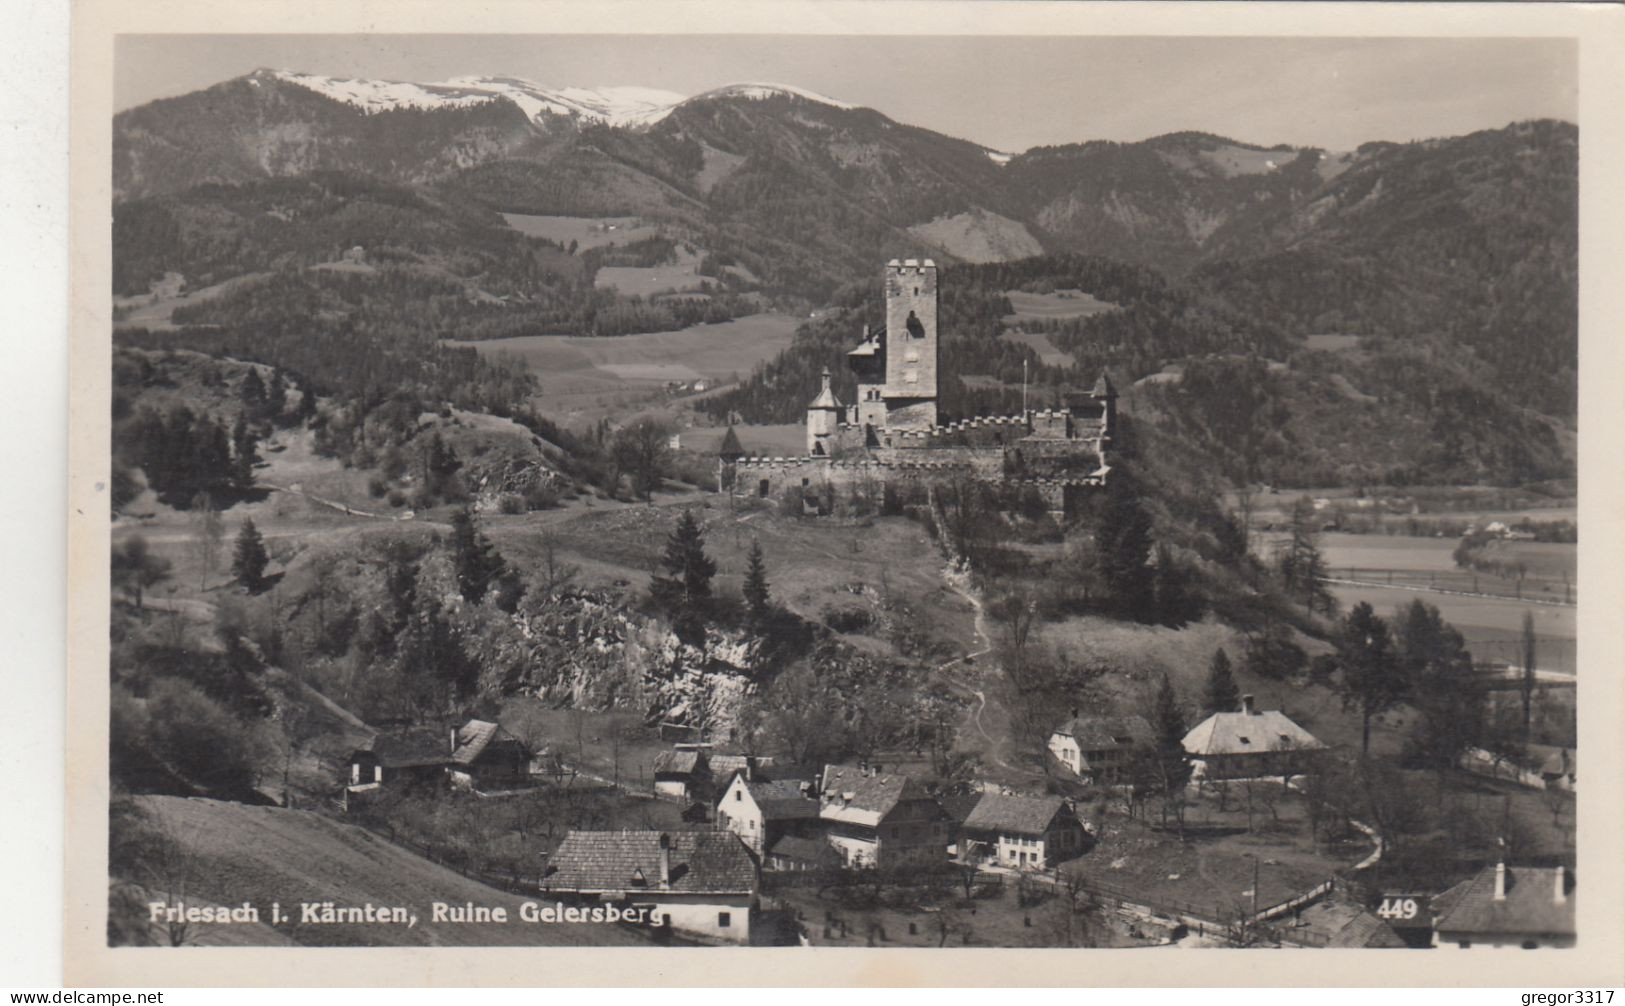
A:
(396, 498)
(511, 503)
(540, 495)
(377, 487)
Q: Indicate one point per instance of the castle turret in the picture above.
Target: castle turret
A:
(823, 415)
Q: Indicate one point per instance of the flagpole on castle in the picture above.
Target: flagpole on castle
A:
(1024, 386)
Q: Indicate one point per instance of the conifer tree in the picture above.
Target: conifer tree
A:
(276, 396)
(758, 601)
(479, 565)
(1303, 569)
(683, 592)
(245, 454)
(1373, 682)
(1222, 694)
(252, 390)
(249, 560)
(1124, 542)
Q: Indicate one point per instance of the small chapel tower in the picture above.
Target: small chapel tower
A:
(823, 415)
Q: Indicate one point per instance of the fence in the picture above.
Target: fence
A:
(1531, 590)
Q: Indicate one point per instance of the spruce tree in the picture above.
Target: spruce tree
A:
(758, 601)
(683, 592)
(244, 452)
(249, 560)
(1124, 542)
(252, 390)
(1222, 694)
(276, 396)
(479, 565)
(1303, 569)
(1373, 681)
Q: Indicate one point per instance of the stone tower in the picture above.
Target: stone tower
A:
(910, 391)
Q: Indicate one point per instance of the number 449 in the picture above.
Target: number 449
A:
(1398, 908)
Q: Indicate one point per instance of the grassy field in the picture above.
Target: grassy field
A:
(233, 853)
(1423, 568)
(677, 277)
(1039, 343)
(1054, 306)
(584, 379)
(586, 232)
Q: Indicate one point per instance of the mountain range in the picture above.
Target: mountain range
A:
(1462, 248)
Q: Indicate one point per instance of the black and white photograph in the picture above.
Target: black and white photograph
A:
(893, 491)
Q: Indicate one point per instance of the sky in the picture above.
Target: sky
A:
(1008, 93)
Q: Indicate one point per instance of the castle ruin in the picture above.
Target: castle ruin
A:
(892, 435)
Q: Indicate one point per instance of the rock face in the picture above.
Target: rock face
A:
(584, 648)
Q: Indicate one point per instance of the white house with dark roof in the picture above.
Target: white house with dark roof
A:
(1024, 832)
(1507, 906)
(1250, 744)
(761, 812)
(878, 820)
(1098, 748)
(696, 883)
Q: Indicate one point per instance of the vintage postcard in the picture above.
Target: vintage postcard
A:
(905, 493)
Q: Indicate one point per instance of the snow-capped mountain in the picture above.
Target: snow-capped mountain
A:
(630, 107)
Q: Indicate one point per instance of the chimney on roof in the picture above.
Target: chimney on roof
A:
(453, 740)
(1560, 893)
(1247, 705)
(1500, 880)
(665, 860)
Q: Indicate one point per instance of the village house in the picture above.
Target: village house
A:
(699, 884)
(1506, 906)
(879, 820)
(762, 812)
(683, 774)
(1098, 748)
(1332, 923)
(1024, 832)
(1560, 770)
(484, 754)
(1250, 744)
(398, 759)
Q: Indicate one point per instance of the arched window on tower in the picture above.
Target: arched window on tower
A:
(916, 328)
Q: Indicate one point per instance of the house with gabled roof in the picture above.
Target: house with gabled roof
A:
(397, 759)
(1507, 906)
(485, 754)
(1098, 748)
(1023, 832)
(701, 884)
(1250, 744)
(761, 811)
(875, 819)
(683, 773)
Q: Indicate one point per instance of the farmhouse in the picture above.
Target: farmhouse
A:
(1505, 906)
(402, 758)
(484, 754)
(893, 436)
(698, 883)
(1560, 770)
(1097, 748)
(880, 820)
(762, 812)
(1020, 831)
(683, 773)
(1250, 744)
